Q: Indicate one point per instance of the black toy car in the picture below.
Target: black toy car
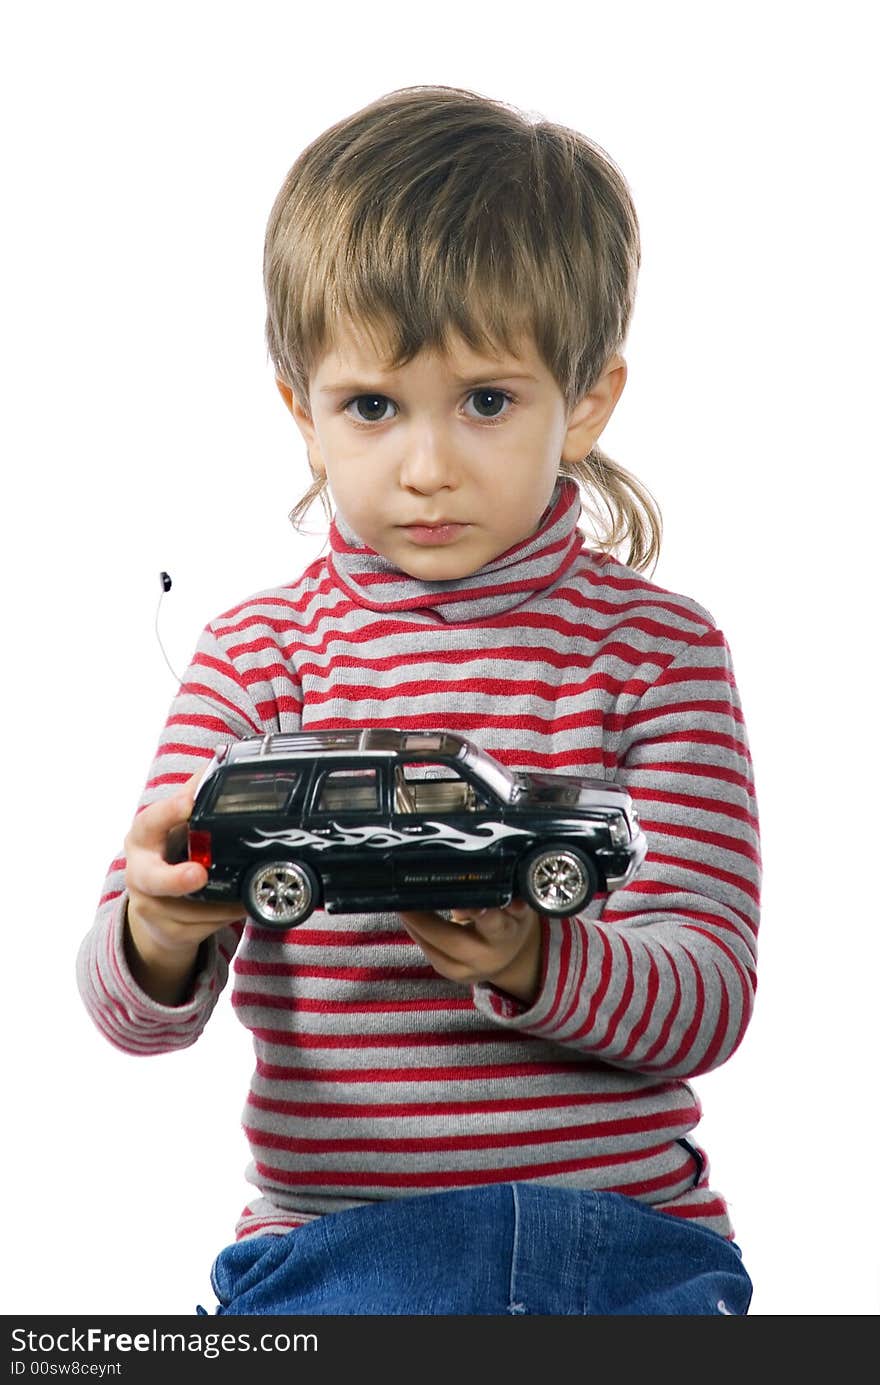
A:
(368, 820)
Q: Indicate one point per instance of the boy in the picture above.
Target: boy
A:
(486, 1113)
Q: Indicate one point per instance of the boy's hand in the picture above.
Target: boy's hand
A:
(500, 946)
(164, 930)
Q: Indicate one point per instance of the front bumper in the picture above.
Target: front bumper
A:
(615, 878)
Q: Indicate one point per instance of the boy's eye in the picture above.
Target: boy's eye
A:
(492, 401)
(370, 408)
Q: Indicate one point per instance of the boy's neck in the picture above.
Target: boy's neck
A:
(509, 581)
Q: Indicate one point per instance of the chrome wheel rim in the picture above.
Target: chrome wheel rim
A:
(558, 881)
(281, 893)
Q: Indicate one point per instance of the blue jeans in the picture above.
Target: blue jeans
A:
(507, 1248)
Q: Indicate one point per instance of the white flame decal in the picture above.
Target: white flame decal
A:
(381, 837)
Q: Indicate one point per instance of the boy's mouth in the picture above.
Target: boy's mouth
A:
(427, 534)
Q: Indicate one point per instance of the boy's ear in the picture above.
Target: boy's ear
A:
(305, 425)
(590, 415)
(285, 391)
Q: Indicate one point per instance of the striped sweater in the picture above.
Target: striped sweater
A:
(377, 1078)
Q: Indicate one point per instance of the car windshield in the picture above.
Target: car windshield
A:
(496, 775)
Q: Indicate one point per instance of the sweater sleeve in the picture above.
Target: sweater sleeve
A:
(212, 707)
(660, 976)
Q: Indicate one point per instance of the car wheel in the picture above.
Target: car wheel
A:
(281, 894)
(558, 880)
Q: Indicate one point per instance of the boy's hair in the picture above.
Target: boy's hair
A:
(436, 210)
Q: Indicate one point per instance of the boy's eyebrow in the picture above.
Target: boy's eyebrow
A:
(470, 380)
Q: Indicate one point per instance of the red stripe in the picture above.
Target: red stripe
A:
(691, 866)
(619, 580)
(605, 970)
(565, 964)
(329, 622)
(394, 588)
(270, 710)
(721, 708)
(200, 720)
(281, 1038)
(643, 1186)
(695, 803)
(347, 1110)
(479, 720)
(264, 1226)
(715, 1207)
(224, 668)
(747, 981)
(468, 722)
(537, 655)
(652, 991)
(356, 1178)
(450, 1073)
(515, 686)
(184, 748)
(260, 1000)
(213, 695)
(671, 1015)
(578, 758)
(668, 1121)
(154, 1041)
(715, 921)
(687, 833)
(682, 1053)
(659, 888)
(164, 780)
(627, 610)
(708, 1060)
(623, 1004)
(374, 975)
(316, 570)
(702, 769)
(345, 936)
(274, 671)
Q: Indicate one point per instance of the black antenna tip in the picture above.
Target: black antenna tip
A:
(166, 581)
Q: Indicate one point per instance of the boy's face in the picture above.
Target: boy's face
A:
(444, 464)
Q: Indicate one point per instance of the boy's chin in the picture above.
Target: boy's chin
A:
(450, 563)
(440, 568)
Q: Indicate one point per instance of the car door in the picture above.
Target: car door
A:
(347, 823)
(453, 846)
(246, 816)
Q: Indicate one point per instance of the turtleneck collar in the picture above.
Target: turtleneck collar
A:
(508, 581)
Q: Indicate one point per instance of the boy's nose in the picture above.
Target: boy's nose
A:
(428, 465)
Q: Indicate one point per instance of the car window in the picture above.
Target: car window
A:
(423, 740)
(255, 791)
(347, 791)
(424, 787)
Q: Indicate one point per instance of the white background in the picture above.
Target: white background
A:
(142, 431)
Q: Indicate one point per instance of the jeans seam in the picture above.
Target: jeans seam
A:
(513, 1304)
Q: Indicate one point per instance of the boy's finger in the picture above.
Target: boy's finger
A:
(149, 875)
(153, 823)
(450, 940)
(466, 916)
(193, 782)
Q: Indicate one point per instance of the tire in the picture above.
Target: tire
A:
(281, 894)
(558, 880)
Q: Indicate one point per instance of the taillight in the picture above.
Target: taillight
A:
(199, 848)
